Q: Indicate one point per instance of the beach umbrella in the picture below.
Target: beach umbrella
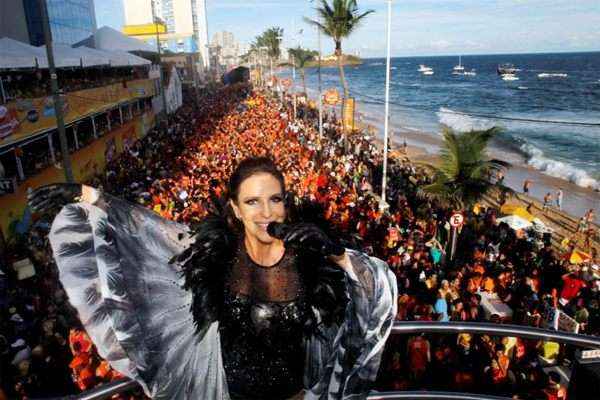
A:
(515, 222)
(514, 209)
(578, 257)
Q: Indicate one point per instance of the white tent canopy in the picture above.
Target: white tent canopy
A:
(64, 56)
(515, 222)
(67, 56)
(15, 54)
(110, 39)
(123, 59)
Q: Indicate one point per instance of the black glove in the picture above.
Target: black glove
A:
(310, 237)
(54, 196)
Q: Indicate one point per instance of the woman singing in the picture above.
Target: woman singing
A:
(249, 305)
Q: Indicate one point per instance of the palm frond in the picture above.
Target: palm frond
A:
(465, 170)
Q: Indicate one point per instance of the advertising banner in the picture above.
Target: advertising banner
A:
(348, 114)
(26, 117)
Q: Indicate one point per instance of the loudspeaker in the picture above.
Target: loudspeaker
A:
(585, 376)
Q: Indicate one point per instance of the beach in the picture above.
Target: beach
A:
(422, 149)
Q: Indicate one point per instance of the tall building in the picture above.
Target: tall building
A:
(70, 20)
(185, 21)
(228, 48)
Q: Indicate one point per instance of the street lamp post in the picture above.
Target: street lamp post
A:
(58, 104)
(156, 21)
(320, 95)
(383, 203)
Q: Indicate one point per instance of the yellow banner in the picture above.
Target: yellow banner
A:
(26, 117)
(86, 163)
(144, 29)
(348, 114)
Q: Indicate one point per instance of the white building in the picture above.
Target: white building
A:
(187, 30)
(228, 48)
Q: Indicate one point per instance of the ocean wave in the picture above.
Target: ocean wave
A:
(461, 122)
(558, 169)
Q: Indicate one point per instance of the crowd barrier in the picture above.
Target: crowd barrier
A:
(407, 328)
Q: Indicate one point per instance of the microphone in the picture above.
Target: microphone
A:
(277, 230)
(280, 231)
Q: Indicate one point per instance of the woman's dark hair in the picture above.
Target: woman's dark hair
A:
(249, 167)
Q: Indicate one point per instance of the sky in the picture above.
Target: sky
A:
(419, 27)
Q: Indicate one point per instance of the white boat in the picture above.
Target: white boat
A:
(509, 77)
(458, 69)
(424, 68)
(552, 75)
(428, 72)
(470, 73)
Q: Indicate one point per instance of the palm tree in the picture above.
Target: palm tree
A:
(338, 21)
(300, 57)
(464, 175)
(271, 40)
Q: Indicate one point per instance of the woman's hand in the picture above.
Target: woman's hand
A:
(310, 237)
(54, 196)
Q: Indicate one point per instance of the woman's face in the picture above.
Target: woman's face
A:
(259, 202)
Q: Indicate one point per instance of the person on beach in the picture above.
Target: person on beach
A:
(582, 225)
(559, 199)
(526, 186)
(500, 178)
(589, 216)
(230, 310)
(547, 201)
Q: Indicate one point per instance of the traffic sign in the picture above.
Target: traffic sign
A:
(331, 97)
(456, 220)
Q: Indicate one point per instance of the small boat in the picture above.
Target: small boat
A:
(428, 72)
(506, 69)
(458, 69)
(424, 68)
(509, 77)
(552, 75)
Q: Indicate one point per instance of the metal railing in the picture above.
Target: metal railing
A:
(528, 332)
(408, 328)
(431, 396)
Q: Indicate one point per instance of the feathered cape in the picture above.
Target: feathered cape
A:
(137, 306)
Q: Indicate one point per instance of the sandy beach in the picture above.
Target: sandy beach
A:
(424, 147)
(563, 222)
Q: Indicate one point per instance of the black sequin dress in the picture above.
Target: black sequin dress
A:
(262, 328)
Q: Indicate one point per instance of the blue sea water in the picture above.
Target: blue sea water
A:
(423, 103)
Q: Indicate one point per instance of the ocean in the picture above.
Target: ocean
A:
(568, 90)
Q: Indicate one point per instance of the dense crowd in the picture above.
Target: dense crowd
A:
(180, 166)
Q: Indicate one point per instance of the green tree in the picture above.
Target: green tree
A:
(339, 20)
(300, 58)
(463, 177)
(271, 41)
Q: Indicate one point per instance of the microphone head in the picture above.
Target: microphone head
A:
(277, 230)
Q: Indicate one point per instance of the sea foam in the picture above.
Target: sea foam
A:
(558, 169)
(461, 122)
(534, 156)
